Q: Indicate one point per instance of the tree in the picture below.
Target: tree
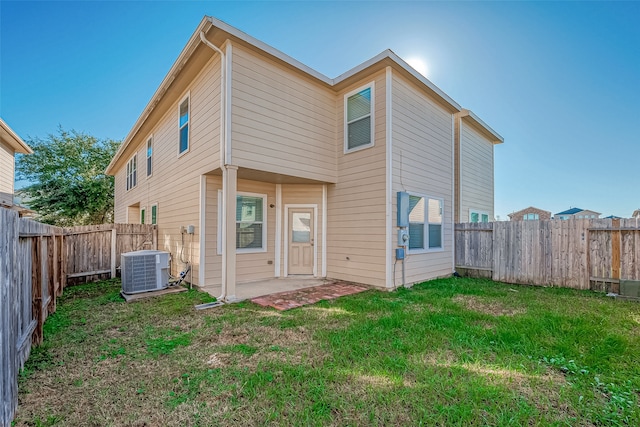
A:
(68, 184)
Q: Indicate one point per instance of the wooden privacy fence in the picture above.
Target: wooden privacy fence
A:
(36, 262)
(579, 253)
(93, 251)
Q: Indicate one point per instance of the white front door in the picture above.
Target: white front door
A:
(301, 241)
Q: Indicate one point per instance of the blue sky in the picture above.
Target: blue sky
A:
(559, 81)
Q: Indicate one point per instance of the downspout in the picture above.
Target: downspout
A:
(223, 154)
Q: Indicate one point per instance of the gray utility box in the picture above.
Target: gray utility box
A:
(630, 288)
(144, 271)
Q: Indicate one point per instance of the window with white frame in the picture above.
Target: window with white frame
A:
(184, 125)
(358, 119)
(132, 172)
(531, 217)
(149, 156)
(251, 222)
(143, 213)
(425, 223)
(478, 216)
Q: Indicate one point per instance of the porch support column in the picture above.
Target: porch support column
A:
(229, 194)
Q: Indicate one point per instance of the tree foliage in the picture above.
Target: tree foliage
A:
(68, 183)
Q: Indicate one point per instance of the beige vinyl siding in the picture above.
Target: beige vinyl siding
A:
(476, 172)
(7, 171)
(175, 183)
(213, 261)
(356, 203)
(303, 194)
(422, 164)
(282, 122)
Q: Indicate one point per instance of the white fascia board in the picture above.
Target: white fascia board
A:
(166, 82)
(13, 140)
(402, 64)
(471, 115)
(268, 49)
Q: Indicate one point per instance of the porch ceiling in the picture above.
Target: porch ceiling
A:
(264, 176)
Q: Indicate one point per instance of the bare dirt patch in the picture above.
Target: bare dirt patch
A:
(486, 306)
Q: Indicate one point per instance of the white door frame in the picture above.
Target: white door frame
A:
(313, 206)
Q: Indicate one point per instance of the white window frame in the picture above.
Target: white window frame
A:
(187, 98)
(480, 213)
(131, 175)
(149, 157)
(371, 114)
(151, 221)
(264, 224)
(427, 249)
(143, 214)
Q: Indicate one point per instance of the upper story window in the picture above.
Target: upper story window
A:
(132, 172)
(477, 216)
(149, 156)
(531, 217)
(425, 223)
(184, 125)
(358, 119)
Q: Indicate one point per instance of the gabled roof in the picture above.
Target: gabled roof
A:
(9, 137)
(496, 138)
(612, 217)
(570, 211)
(635, 213)
(530, 208)
(209, 23)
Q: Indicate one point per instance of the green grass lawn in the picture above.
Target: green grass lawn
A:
(447, 352)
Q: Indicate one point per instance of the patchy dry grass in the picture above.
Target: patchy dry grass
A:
(447, 352)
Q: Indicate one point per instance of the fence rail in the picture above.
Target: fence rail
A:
(579, 254)
(36, 262)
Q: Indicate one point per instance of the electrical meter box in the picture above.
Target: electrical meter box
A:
(403, 237)
(403, 209)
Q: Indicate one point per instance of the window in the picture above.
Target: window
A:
(249, 222)
(184, 125)
(149, 155)
(358, 119)
(143, 211)
(531, 217)
(251, 228)
(154, 214)
(425, 223)
(132, 172)
(478, 216)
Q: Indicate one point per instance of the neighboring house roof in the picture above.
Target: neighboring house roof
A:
(571, 211)
(9, 137)
(385, 58)
(529, 209)
(494, 136)
(574, 211)
(635, 213)
(612, 217)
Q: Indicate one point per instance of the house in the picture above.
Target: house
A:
(636, 214)
(10, 144)
(255, 166)
(576, 213)
(473, 151)
(529, 214)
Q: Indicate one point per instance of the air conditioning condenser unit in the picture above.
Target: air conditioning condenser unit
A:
(144, 271)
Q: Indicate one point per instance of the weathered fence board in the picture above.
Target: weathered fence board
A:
(36, 261)
(92, 255)
(579, 254)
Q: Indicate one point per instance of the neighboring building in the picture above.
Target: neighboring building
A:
(612, 217)
(636, 214)
(577, 213)
(10, 144)
(474, 141)
(530, 214)
(284, 171)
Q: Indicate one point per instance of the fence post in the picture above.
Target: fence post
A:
(114, 240)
